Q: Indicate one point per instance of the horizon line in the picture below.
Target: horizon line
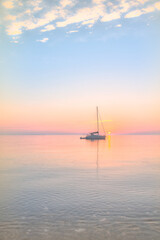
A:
(71, 133)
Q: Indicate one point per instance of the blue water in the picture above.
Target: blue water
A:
(63, 188)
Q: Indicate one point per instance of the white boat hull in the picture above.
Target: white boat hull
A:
(94, 137)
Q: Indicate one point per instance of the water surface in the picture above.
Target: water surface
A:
(64, 188)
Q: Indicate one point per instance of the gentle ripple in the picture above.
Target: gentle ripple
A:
(62, 188)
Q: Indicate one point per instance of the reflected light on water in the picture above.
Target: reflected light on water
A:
(61, 187)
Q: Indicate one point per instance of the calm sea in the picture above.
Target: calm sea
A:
(64, 188)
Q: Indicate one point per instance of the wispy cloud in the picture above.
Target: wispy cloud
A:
(81, 16)
(10, 18)
(8, 4)
(16, 28)
(43, 40)
(140, 12)
(48, 28)
(110, 17)
(65, 3)
(90, 22)
(73, 31)
(157, 5)
(119, 25)
(135, 13)
(36, 5)
(48, 16)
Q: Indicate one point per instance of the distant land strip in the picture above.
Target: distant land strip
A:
(68, 133)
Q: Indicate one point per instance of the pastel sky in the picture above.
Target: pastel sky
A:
(61, 58)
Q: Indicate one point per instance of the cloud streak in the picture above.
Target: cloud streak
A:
(137, 13)
(48, 16)
(48, 28)
(8, 4)
(43, 40)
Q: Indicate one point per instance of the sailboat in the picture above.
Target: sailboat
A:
(95, 135)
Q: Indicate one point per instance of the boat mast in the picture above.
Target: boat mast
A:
(97, 122)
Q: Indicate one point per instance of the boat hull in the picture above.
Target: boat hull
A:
(95, 137)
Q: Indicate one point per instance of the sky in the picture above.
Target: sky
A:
(61, 59)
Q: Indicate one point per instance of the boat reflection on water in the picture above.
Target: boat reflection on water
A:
(97, 162)
(108, 146)
(59, 187)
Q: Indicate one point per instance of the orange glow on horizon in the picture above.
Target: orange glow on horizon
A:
(75, 119)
